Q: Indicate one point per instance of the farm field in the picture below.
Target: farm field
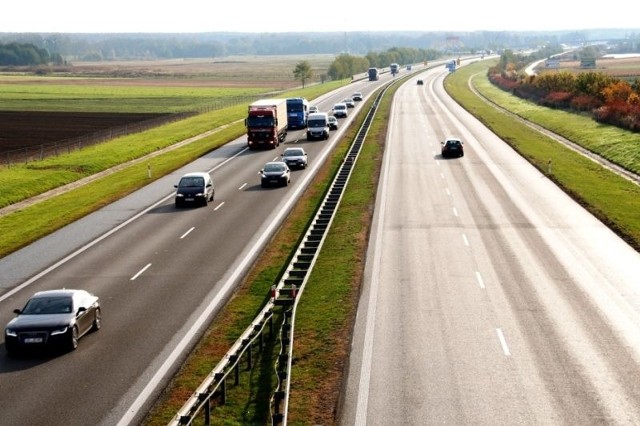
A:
(86, 98)
(621, 67)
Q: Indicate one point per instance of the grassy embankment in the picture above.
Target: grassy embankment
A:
(611, 198)
(21, 182)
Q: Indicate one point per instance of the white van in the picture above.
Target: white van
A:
(318, 126)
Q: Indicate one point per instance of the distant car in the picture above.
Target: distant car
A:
(313, 108)
(340, 110)
(295, 157)
(452, 147)
(420, 82)
(53, 319)
(333, 123)
(349, 102)
(194, 188)
(275, 173)
(357, 96)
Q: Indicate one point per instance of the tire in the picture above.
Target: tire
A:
(97, 321)
(73, 339)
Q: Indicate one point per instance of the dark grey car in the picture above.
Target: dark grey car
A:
(53, 319)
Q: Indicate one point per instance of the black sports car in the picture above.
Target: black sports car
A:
(53, 318)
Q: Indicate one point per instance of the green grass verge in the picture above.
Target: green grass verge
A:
(612, 199)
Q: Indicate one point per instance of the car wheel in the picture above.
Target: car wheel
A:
(73, 338)
(11, 351)
(97, 321)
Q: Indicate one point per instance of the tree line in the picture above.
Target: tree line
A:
(139, 46)
(24, 54)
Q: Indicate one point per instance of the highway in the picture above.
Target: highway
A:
(161, 274)
(490, 296)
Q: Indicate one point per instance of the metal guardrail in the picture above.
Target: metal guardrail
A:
(286, 294)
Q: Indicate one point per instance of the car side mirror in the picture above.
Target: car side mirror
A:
(175, 186)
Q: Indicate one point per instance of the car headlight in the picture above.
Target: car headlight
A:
(59, 331)
(10, 332)
(180, 195)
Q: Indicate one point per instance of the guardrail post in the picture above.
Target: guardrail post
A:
(207, 411)
(249, 354)
(219, 377)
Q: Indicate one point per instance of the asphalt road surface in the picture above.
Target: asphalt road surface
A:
(490, 297)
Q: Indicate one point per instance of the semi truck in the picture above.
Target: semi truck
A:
(297, 112)
(373, 74)
(266, 123)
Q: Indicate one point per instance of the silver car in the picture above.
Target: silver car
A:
(340, 110)
(295, 157)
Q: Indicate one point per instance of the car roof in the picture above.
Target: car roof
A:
(340, 104)
(58, 293)
(196, 174)
(294, 148)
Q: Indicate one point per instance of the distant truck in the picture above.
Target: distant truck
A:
(373, 74)
(451, 66)
(266, 123)
(394, 68)
(297, 113)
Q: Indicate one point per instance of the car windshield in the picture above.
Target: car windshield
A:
(339, 107)
(48, 305)
(187, 182)
(316, 123)
(273, 168)
(293, 153)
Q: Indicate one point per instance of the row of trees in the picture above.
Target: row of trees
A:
(345, 65)
(608, 99)
(24, 54)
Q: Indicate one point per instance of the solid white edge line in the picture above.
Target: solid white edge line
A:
(367, 350)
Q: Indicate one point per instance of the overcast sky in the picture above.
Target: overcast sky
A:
(159, 16)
